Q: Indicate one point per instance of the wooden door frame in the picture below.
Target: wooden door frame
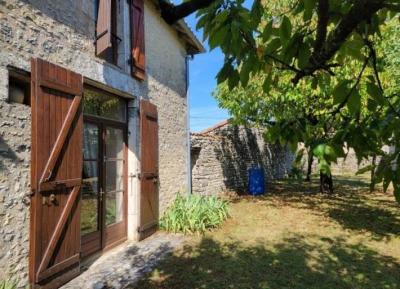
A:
(93, 236)
(102, 123)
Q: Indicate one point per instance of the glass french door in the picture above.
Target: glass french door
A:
(103, 202)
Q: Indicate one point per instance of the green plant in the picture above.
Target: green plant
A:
(194, 214)
(8, 284)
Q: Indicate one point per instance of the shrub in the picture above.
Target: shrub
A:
(194, 214)
(8, 284)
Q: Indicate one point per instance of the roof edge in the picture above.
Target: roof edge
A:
(194, 45)
(184, 31)
(212, 128)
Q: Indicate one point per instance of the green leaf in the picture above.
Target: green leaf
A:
(218, 37)
(325, 152)
(354, 102)
(233, 79)
(285, 29)
(245, 71)
(225, 72)
(304, 56)
(354, 47)
(267, 83)
(330, 153)
(324, 167)
(273, 45)
(309, 6)
(318, 151)
(374, 91)
(371, 104)
(267, 33)
(340, 92)
(202, 21)
(221, 17)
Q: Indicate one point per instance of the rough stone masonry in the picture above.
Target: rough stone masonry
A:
(222, 156)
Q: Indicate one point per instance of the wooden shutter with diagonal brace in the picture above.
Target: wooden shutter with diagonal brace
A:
(56, 169)
(137, 39)
(149, 169)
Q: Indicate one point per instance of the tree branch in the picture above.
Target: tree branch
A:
(343, 103)
(172, 13)
(378, 79)
(362, 10)
(322, 26)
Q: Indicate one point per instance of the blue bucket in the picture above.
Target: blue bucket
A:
(256, 181)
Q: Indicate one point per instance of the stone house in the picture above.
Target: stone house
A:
(94, 134)
(222, 155)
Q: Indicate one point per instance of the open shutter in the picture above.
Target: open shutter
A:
(137, 39)
(103, 28)
(149, 169)
(56, 169)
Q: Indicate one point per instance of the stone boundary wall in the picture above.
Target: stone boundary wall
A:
(221, 159)
(344, 166)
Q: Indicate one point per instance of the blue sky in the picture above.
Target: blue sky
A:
(204, 110)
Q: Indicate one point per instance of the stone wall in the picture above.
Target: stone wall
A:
(63, 32)
(344, 166)
(221, 159)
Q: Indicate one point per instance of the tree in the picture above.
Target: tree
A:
(312, 42)
(295, 115)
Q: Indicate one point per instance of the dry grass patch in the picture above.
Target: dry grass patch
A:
(294, 238)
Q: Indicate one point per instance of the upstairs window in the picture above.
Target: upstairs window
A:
(107, 39)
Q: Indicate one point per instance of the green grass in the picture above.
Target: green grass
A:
(294, 238)
(194, 214)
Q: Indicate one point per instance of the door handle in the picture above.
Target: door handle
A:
(155, 180)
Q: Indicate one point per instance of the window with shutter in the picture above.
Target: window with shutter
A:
(106, 31)
(137, 39)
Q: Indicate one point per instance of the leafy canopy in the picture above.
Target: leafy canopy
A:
(320, 72)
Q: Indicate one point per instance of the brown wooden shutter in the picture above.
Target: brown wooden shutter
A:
(103, 29)
(56, 169)
(149, 169)
(137, 39)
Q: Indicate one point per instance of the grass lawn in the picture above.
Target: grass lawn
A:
(294, 238)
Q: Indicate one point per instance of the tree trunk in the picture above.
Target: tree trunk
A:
(310, 161)
(326, 183)
(372, 185)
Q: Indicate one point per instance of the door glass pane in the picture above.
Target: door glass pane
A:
(114, 176)
(103, 104)
(89, 203)
(114, 209)
(114, 143)
(91, 141)
(114, 166)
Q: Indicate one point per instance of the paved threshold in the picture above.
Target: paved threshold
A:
(123, 266)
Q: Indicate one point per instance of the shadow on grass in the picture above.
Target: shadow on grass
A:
(352, 206)
(293, 263)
